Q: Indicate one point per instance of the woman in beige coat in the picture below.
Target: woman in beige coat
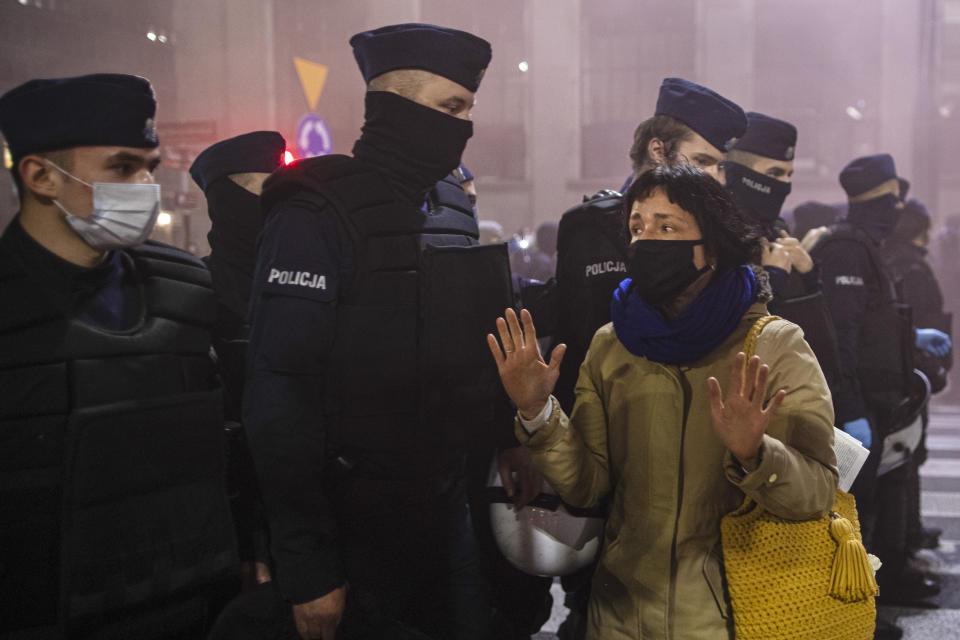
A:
(669, 420)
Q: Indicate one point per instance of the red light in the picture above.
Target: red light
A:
(288, 157)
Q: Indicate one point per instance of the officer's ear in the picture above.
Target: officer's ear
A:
(655, 152)
(39, 178)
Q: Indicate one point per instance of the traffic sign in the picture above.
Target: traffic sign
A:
(313, 136)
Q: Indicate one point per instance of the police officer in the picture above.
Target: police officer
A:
(874, 331)
(905, 251)
(231, 173)
(115, 515)
(366, 374)
(759, 172)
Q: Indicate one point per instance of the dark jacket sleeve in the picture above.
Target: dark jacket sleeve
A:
(300, 267)
(847, 277)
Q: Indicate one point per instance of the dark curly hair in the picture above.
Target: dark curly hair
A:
(729, 236)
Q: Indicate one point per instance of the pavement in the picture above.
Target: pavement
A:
(940, 507)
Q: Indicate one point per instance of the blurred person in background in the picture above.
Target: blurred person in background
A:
(876, 338)
(906, 253)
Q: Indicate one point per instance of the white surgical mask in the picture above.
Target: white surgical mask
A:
(123, 214)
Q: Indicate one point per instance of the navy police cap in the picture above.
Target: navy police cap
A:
(720, 121)
(256, 152)
(863, 174)
(768, 137)
(455, 55)
(103, 109)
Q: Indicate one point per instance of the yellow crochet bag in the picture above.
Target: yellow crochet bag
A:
(797, 580)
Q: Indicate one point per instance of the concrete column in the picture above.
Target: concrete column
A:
(553, 134)
(725, 48)
(899, 81)
(393, 12)
(225, 64)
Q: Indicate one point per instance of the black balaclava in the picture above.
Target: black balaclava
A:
(237, 222)
(877, 216)
(415, 145)
(760, 196)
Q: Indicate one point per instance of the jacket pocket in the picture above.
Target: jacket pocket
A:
(713, 573)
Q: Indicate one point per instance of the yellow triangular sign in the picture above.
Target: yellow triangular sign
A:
(312, 78)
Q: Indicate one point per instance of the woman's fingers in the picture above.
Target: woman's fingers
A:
(504, 332)
(749, 383)
(760, 389)
(716, 394)
(556, 356)
(775, 403)
(529, 331)
(737, 374)
(516, 333)
(495, 350)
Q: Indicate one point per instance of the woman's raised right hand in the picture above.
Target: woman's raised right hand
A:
(527, 378)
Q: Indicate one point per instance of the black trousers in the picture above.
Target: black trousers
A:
(410, 561)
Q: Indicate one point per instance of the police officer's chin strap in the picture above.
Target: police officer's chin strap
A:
(416, 146)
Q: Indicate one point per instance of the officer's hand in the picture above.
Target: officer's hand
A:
(799, 257)
(860, 429)
(527, 379)
(811, 238)
(318, 619)
(741, 421)
(934, 342)
(527, 484)
(776, 255)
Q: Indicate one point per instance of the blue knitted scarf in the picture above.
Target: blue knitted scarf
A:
(699, 329)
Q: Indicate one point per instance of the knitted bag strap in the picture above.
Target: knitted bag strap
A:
(750, 343)
(851, 578)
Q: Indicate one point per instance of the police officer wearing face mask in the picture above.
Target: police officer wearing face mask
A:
(115, 513)
(874, 331)
(367, 376)
(759, 170)
(231, 174)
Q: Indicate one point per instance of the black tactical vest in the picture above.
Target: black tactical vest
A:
(591, 262)
(410, 378)
(885, 356)
(111, 448)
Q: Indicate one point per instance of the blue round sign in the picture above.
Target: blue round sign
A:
(313, 136)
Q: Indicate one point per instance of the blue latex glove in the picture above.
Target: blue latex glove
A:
(859, 429)
(933, 342)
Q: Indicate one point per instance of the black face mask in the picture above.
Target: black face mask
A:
(416, 145)
(237, 221)
(662, 269)
(759, 196)
(877, 217)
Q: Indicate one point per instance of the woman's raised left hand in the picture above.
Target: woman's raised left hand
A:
(741, 420)
(526, 377)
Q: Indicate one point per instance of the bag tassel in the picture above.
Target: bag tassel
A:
(852, 578)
